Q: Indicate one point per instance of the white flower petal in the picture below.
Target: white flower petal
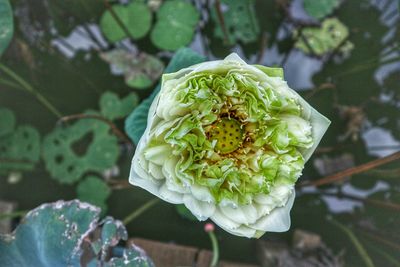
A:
(156, 171)
(145, 182)
(278, 220)
(158, 154)
(200, 209)
(202, 193)
(243, 214)
(170, 196)
(235, 229)
(224, 222)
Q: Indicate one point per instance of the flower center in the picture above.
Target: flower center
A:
(229, 135)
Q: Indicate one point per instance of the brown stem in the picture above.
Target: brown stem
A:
(113, 127)
(117, 184)
(221, 21)
(117, 19)
(351, 171)
(320, 88)
(367, 201)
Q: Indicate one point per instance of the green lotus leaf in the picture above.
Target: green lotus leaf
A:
(240, 21)
(229, 141)
(325, 39)
(94, 191)
(60, 233)
(112, 107)
(141, 70)
(7, 121)
(136, 17)
(20, 150)
(175, 26)
(135, 123)
(320, 9)
(68, 154)
(6, 25)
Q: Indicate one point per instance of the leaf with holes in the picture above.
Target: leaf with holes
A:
(87, 145)
(321, 8)
(112, 107)
(141, 70)
(331, 35)
(136, 17)
(20, 150)
(135, 123)
(94, 191)
(240, 21)
(73, 235)
(6, 25)
(176, 23)
(7, 121)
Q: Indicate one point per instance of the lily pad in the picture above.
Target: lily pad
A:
(94, 191)
(330, 36)
(136, 17)
(60, 233)
(71, 151)
(6, 25)
(240, 21)
(20, 150)
(136, 122)
(7, 121)
(112, 107)
(321, 8)
(141, 70)
(176, 23)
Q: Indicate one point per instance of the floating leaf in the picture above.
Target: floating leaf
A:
(240, 21)
(176, 23)
(136, 17)
(6, 25)
(325, 39)
(185, 212)
(60, 233)
(112, 107)
(20, 150)
(66, 157)
(134, 257)
(94, 191)
(135, 123)
(7, 121)
(321, 8)
(141, 70)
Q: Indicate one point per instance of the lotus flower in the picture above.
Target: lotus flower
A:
(228, 140)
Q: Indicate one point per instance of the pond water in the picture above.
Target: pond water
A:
(56, 49)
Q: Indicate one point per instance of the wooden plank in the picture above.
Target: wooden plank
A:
(205, 256)
(167, 255)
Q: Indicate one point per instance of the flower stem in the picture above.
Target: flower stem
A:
(361, 250)
(24, 84)
(215, 248)
(136, 213)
